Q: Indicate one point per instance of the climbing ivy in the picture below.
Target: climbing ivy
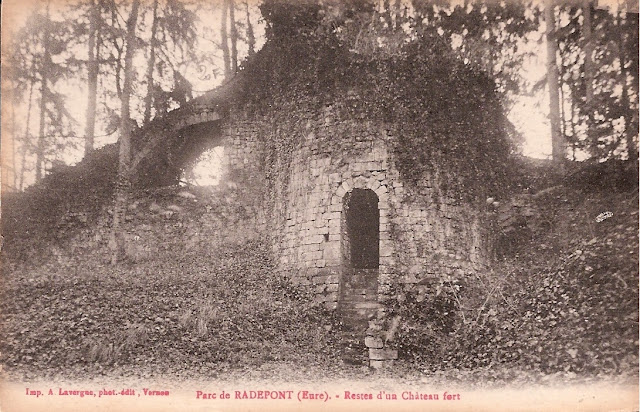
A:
(445, 114)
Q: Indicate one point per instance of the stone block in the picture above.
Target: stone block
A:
(385, 250)
(373, 165)
(382, 189)
(319, 299)
(381, 364)
(315, 239)
(360, 182)
(320, 230)
(311, 248)
(332, 251)
(316, 255)
(383, 354)
(373, 342)
(334, 226)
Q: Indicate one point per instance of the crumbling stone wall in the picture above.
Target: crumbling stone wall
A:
(422, 233)
(301, 167)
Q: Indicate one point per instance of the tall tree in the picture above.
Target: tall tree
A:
(488, 33)
(93, 68)
(172, 42)
(234, 36)
(224, 38)
(588, 74)
(148, 100)
(126, 126)
(44, 93)
(557, 141)
(599, 49)
(624, 30)
(251, 39)
(26, 139)
(33, 50)
(8, 154)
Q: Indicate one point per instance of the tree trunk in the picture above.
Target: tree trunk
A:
(124, 159)
(92, 79)
(27, 138)
(8, 153)
(632, 149)
(224, 39)
(251, 38)
(588, 74)
(234, 37)
(557, 143)
(44, 91)
(561, 96)
(118, 60)
(574, 137)
(148, 100)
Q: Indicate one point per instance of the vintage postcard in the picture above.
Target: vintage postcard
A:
(319, 205)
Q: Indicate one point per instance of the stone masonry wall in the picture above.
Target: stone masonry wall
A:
(422, 235)
(294, 171)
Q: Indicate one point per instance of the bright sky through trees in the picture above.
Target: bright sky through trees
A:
(529, 113)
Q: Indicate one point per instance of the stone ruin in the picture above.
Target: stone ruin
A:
(340, 219)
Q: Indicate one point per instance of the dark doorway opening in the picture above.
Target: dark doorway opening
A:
(360, 254)
(358, 299)
(362, 223)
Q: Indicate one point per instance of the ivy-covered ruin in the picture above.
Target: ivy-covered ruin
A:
(368, 174)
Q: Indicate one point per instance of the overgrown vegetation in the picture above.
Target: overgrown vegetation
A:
(49, 212)
(563, 299)
(200, 296)
(199, 292)
(190, 305)
(445, 114)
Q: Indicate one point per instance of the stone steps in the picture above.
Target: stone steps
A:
(355, 317)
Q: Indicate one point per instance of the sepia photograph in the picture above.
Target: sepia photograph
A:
(287, 205)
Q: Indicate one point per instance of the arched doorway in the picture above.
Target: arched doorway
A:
(360, 251)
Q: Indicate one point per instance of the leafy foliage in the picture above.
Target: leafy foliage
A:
(422, 93)
(563, 300)
(200, 295)
(600, 118)
(68, 198)
(195, 306)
